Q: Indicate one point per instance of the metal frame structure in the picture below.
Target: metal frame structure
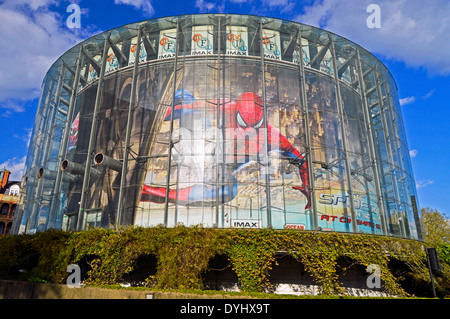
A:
(71, 75)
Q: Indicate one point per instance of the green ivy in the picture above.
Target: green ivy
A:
(444, 252)
(183, 254)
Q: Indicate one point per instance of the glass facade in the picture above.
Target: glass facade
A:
(224, 121)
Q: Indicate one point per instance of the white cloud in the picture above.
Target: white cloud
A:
(208, 6)
(258, 7)
(429, 94)
(15, 165)
(282, 5)
(407, 100)
(10, 106)
(411, 31)
(413, 153)
(144, 5)
(32, 37)
(424, 183)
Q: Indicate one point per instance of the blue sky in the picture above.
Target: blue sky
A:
(413, 42)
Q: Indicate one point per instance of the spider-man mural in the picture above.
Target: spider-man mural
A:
(243, 118)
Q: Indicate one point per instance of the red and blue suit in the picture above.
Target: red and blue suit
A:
(242, 118)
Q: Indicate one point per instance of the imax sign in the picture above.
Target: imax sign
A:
(246, 223)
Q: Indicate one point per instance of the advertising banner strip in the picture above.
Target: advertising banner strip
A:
(202, 40)
(167, 44)
(246, 223)
(271, 44)
(132, 55)
(112, 63)
(237, 41)
(92, 73)
(305, 52)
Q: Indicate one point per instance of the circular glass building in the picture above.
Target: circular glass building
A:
(219, 120)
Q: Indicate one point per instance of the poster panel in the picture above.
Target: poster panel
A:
(73, 137)
(202, 40)
(305, 52)
(222, 172)
(271, 44)
(167, 44)
(92, 72)
(237, 41)
(132, 54)
(112, 63)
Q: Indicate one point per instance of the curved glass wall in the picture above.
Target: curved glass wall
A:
(219, 120)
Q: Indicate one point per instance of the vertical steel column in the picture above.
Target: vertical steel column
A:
(65, 140)
(344, 137)
(169, 156)
(124, 172)
(374, 160)
(219, 124)
(87, 169)
(177, 185)
(307, 132)
(266, 138)
(278, 155)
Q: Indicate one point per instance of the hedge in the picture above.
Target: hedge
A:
(183, 254)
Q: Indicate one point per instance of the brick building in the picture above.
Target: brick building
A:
(9, 196)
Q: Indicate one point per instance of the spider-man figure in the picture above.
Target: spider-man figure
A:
(243, 119)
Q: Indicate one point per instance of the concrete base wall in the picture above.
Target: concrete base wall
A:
(10, 289)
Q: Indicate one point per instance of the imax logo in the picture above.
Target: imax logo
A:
(244, 223)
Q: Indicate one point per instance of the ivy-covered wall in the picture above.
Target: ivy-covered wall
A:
(183, 254)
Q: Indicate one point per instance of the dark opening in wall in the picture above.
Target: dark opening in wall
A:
(220, 275)
(410, 281)
(354, 275)
(144, 267)
(289, 275)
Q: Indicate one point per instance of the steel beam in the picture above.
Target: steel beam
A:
(124, 171)
(92, 137)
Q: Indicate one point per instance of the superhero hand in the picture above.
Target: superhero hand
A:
(297, 161)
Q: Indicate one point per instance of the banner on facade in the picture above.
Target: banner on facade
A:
(167, 44)
(237, 41)
(271, 45)
(132, 55)
(202, 40)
